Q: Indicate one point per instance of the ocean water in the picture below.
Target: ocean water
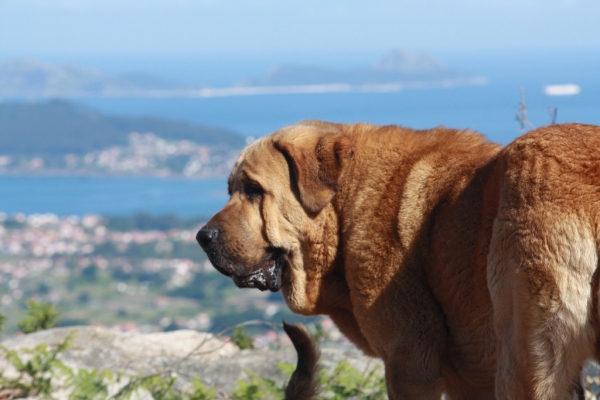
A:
(71, 195)
(489, 109)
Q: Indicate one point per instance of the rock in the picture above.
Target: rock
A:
(187, 353)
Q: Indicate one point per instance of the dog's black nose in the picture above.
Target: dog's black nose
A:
(206, 235)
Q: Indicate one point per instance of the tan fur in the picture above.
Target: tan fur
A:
(467, 268)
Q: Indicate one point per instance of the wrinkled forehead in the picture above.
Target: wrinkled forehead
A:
(258, 159)
(261, 159)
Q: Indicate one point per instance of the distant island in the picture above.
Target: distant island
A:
(395, 71)
(59, 137)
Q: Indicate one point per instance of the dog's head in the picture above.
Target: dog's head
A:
(280, 189)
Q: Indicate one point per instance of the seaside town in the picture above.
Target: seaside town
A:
(108, 272)
(145, 154)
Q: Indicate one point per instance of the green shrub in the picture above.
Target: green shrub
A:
(199, 391)
(241, 339)
(89, 384)
(257, 388)
(2, 321)
(346, 382)
(40, 316)
(36, 370)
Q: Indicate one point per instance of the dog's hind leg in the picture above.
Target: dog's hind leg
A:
(539, 275)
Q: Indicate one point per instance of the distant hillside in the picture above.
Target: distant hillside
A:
(58, 137)
(60, 127)
(32, 79)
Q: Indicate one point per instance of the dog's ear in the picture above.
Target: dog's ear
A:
(318, 159)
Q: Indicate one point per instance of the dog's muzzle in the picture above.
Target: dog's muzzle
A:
(264, 275)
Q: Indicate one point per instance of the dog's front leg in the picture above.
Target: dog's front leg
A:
(413, 380)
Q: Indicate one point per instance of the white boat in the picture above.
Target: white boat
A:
(569, 89)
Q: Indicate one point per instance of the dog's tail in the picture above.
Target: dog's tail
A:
(303, 384)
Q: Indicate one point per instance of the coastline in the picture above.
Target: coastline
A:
(237, 91)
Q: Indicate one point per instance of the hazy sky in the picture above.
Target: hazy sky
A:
(29, 27)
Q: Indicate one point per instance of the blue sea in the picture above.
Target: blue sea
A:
(70, 195)
(490, 109)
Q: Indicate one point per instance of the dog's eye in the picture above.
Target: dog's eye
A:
(253, 191)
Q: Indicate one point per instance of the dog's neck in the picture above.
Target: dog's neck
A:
(327, 291)
(326, 287)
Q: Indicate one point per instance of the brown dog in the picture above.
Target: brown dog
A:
(468, 269)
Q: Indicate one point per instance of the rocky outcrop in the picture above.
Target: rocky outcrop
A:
(186, 353)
